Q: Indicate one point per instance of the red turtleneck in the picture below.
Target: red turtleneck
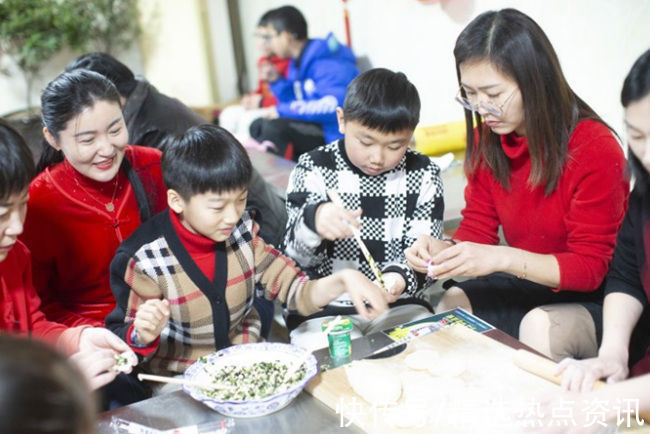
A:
(577, 222)
(200, 248)
(73, 237)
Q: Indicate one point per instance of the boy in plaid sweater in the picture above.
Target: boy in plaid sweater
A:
(185, 280)
(390, 193)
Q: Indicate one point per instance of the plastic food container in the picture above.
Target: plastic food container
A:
(339, 338)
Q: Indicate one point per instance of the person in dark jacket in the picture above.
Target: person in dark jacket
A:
(153, 119)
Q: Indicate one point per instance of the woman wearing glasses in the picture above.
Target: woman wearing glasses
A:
(543, 166)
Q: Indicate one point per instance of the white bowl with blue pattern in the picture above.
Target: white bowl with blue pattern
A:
(247, 354)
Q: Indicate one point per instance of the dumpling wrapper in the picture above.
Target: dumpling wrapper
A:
(125, 361)
(448, 366)
(375, 383)
(421, 360)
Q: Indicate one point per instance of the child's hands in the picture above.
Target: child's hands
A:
(395, 285)
(422, 250)
(151, 318)
(368, 298)
(331, 221)
(251, 101)
(270, 113)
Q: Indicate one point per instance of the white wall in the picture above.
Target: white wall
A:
(13, 88)
(173, 49)
(222, 51)
(596, 41)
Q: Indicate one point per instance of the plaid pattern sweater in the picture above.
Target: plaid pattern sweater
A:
(398, 206)
(205, 316)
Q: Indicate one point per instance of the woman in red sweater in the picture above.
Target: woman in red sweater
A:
(93, 191)
(542, 166)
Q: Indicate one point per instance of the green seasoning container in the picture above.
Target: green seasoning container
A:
(339, 338)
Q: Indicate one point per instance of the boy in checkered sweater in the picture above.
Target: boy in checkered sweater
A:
(185, 280)
(390, 193)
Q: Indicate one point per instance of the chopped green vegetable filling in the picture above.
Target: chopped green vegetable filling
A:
(252, 382)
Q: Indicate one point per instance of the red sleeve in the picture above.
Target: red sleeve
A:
(41, 328)
(480, 222)
(143, 351)
(42, 242)
(599, 191)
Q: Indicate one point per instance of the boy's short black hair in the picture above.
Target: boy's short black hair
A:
(206, 158)
(108, 66)
(382, 100)
(287, 19)
(16, 162)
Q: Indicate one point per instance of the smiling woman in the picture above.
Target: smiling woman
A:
(93, 190)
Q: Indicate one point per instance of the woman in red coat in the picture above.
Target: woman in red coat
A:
(93, 191)
(93, 349)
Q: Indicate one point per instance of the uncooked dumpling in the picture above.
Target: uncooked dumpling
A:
(421, 360)
(376, 384)
(448, 366)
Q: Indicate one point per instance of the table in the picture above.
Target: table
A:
(276, 171)
(310, 415)
(305, 414)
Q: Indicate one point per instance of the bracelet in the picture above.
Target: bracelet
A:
(450, 240)
(523, 275)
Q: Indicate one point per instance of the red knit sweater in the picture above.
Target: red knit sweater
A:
(73, 238)
(19, 304)
(577, 222)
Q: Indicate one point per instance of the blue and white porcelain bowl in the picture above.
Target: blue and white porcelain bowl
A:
(243, 355)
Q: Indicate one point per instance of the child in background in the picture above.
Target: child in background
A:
(319, 72)
(238, 118)
(185, 280)
(391, 194)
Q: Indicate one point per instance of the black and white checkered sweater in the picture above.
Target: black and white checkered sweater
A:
(398, 206)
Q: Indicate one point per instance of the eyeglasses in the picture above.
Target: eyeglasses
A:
(265, 37)
(495, 110)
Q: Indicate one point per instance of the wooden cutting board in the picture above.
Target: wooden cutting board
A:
(480, 400)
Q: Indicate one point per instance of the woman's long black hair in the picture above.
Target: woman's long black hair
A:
(636, 87)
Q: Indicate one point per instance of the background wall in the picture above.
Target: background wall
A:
(596, 40)
(186, 49)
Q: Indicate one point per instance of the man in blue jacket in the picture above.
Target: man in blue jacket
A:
(319, 73)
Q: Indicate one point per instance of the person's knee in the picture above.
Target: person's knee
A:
(560, 331)
(535, 331)
(454, 297)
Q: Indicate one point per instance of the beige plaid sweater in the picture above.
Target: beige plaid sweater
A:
(205, 316)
